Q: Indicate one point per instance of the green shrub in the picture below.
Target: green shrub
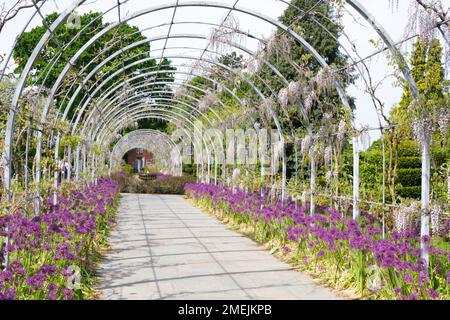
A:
(409, 148)
(170, 185)
(409, 177)
(409, 162)
(128, 169)
(413, 192)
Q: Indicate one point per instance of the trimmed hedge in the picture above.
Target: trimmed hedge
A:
(409, 192)
(409, 177)
(172, 185)
(168, 185)
(409, 163)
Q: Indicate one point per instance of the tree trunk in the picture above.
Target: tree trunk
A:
(391, 171)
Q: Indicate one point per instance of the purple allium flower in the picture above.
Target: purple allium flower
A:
(67, 272)
(413, 296)
(321, 253)
(37, 281)
(423, 278)
(426, 239)
(6, 276)
(52, 291)
(408, 278)
(49, 269)
(10, 294)
(433, 294)
(68, 294)
(286, 249)
(54, 228)
(10, 248)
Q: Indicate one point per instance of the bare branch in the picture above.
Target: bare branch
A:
(7, 14)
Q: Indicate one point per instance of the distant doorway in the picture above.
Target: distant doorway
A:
(138, 165)
(139, 158)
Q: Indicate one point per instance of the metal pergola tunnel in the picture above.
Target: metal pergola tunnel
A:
(224, 76)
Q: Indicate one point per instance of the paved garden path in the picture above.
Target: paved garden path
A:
(164, 248)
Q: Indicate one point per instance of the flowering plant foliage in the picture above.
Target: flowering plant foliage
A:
(347, 253)
(46, 251)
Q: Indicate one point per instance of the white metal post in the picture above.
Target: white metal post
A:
(312, 208)
(69, 163)
(77, 163)
(425, 217)
(355, 178)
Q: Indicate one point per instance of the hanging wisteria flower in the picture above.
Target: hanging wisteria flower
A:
(309, 101)
(328, 176)
(328, 154)
(306, 144)
(283, 98)
(294, 91)
(341, 130)
(435, 212)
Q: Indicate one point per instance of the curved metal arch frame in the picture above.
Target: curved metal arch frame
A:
(171, 117)
(229, 69)
(157, 107)
(246, 80)
(128, 103)
(252, 85)
(170, 71)
(257, 91)
(80, 2)
(299, 39)
(138, 114)
(141, 114)
(146, 138)
(234, 45)
(140, 111)
(267, 63)
(273, 22)
(163, 116)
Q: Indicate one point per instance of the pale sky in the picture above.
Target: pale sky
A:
(393, 20)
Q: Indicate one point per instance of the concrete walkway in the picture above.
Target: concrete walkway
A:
(164, 248)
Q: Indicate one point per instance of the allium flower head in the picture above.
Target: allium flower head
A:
(408, 278)
(68, 294)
